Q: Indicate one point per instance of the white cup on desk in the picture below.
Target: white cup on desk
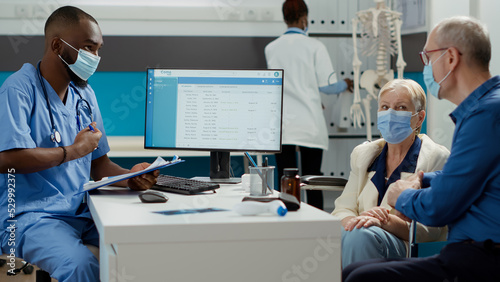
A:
(245, 182)
(261, 180)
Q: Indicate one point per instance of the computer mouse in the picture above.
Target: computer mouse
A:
(153, 197)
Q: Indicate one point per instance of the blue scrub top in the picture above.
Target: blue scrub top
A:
(25, 123)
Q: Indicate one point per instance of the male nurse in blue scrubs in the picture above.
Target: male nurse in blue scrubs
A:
(52, 139)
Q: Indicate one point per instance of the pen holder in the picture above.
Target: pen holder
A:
(261, 180)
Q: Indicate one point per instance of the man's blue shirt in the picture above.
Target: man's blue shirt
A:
(465, 195)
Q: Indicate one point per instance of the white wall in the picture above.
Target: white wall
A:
(153, 17)
(487, 11)
(439, 125)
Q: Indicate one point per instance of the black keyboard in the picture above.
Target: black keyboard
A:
(167, 183)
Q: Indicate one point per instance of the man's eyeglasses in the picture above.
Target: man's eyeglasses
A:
(425, 59)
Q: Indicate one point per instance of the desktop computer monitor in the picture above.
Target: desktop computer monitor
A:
(220, 111)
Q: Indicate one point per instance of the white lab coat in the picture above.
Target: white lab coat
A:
(307, 66)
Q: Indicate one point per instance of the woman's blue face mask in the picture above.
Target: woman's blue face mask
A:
(395, 126)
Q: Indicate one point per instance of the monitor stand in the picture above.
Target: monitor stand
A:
(220, 165)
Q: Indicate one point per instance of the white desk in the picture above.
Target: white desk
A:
(138, 245)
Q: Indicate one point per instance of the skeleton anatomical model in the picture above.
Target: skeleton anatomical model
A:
(380, 36)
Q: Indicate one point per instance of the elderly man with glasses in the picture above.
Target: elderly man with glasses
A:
(465, 195)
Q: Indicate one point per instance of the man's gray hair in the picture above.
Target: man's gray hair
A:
(469, 36)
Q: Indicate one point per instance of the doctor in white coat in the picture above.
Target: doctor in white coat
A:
(308, 70)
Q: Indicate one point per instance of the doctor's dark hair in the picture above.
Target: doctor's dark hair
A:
(293, 10)
(66, 16)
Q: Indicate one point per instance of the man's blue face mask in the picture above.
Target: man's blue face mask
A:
(85, 65)
(395, 126)
(433, 86)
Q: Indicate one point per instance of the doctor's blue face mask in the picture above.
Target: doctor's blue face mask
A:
(85, 65)
(395, 126)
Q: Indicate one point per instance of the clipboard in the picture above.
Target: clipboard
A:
(159, 163)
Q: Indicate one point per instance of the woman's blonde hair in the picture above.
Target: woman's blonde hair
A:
(416, 92)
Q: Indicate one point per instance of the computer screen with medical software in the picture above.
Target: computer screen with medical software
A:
(214, 110)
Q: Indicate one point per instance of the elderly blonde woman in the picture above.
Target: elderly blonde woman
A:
(370, 229)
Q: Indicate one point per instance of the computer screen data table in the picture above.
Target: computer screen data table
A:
(218, 110)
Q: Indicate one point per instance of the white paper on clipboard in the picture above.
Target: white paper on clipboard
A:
(159, 163)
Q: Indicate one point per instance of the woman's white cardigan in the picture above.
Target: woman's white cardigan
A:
(360, 194)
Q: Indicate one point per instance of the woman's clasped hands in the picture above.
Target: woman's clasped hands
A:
(376, 216)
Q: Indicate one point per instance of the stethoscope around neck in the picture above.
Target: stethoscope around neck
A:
(55, 136)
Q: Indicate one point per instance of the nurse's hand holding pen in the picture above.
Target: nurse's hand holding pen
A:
(37, 159)
(87, 140)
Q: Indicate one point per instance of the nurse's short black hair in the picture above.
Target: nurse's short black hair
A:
(293, 10)
(66, 16)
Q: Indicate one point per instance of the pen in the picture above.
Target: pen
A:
(251, 160)
(93, 130)
(258, 170)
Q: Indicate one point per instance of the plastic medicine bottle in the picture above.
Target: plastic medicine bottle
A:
(290, 182)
